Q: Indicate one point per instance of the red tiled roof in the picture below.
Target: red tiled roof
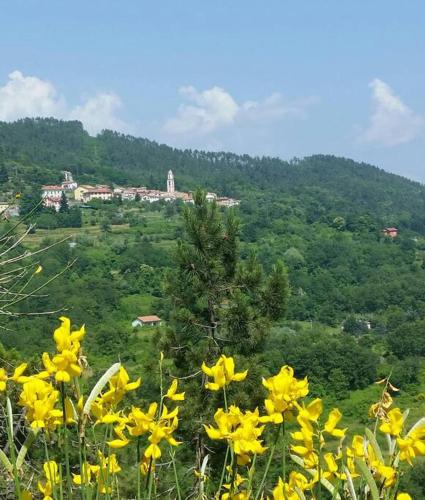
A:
(147, 319)
(99, 190)
(50, 188)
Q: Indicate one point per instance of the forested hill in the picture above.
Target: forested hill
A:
(320, 186)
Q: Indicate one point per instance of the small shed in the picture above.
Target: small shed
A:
(147, 321)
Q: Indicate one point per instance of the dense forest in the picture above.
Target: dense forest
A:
(356, 307)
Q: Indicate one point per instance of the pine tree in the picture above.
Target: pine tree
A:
(64, 208)
(218, 303)
(213, 293)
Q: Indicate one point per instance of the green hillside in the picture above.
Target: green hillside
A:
(356, 311)
(320, 186)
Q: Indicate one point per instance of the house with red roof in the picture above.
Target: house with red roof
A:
(152, 320)
(392, 232)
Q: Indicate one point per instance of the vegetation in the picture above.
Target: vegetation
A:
(220, 279)
(58, 412)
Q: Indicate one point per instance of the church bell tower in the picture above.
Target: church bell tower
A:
(170, 182)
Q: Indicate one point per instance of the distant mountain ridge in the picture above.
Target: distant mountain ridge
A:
(37, 150)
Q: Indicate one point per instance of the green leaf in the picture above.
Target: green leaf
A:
(100, 384)
(374, 443)
(25, 447)
(419, 423)
(6, 462)
(350, 484)
(9, 417)
(367, 476)
(300, 494)
(333, 491)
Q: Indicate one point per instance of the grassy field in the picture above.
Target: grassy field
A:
(161, 229)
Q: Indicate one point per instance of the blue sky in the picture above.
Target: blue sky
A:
(277, 77)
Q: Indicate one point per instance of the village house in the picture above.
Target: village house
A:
(51, 196)
(52, 202)
(68, 183)
(85, 193)
(227, 202)
(147, 321)
(80, 190)
(51, 191)
(150, 195)
(392, 232)
(211, 197)
(98, 193)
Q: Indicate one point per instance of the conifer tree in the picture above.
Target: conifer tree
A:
(218, 303)
(63, 208)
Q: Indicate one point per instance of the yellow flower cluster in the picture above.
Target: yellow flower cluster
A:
(223, 373)
(64, 365)
(39, 398)
(316, 442)
(284, 391)
(52, 480)
(16, 377)
(160, 427)
(241, 430)
(100, 475)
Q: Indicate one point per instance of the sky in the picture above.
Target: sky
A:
(277, 77)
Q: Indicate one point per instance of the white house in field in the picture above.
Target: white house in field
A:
(147, 321)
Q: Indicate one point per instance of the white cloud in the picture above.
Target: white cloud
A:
(207, 111)
(29, 96)
(211, 109)
(99, 113)
(392, 122)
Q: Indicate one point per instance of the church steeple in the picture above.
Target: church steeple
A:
(170, 182)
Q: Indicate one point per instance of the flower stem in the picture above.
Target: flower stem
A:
(46, 452)
(251, 473)
(223, 470)
(151, 477)
(319, 469)
(65, 439)
(138, 469)
(176, 477)
(10, 437)
(283, 456)
(269, 461)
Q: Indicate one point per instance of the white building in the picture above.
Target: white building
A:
(51, 191)
(52, 202)
(211, 196)
(68, 183)
(147, 321)
(227, 202)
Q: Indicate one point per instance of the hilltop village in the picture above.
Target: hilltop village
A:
(52, 194)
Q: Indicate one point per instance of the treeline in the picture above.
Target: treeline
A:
(37, 150)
